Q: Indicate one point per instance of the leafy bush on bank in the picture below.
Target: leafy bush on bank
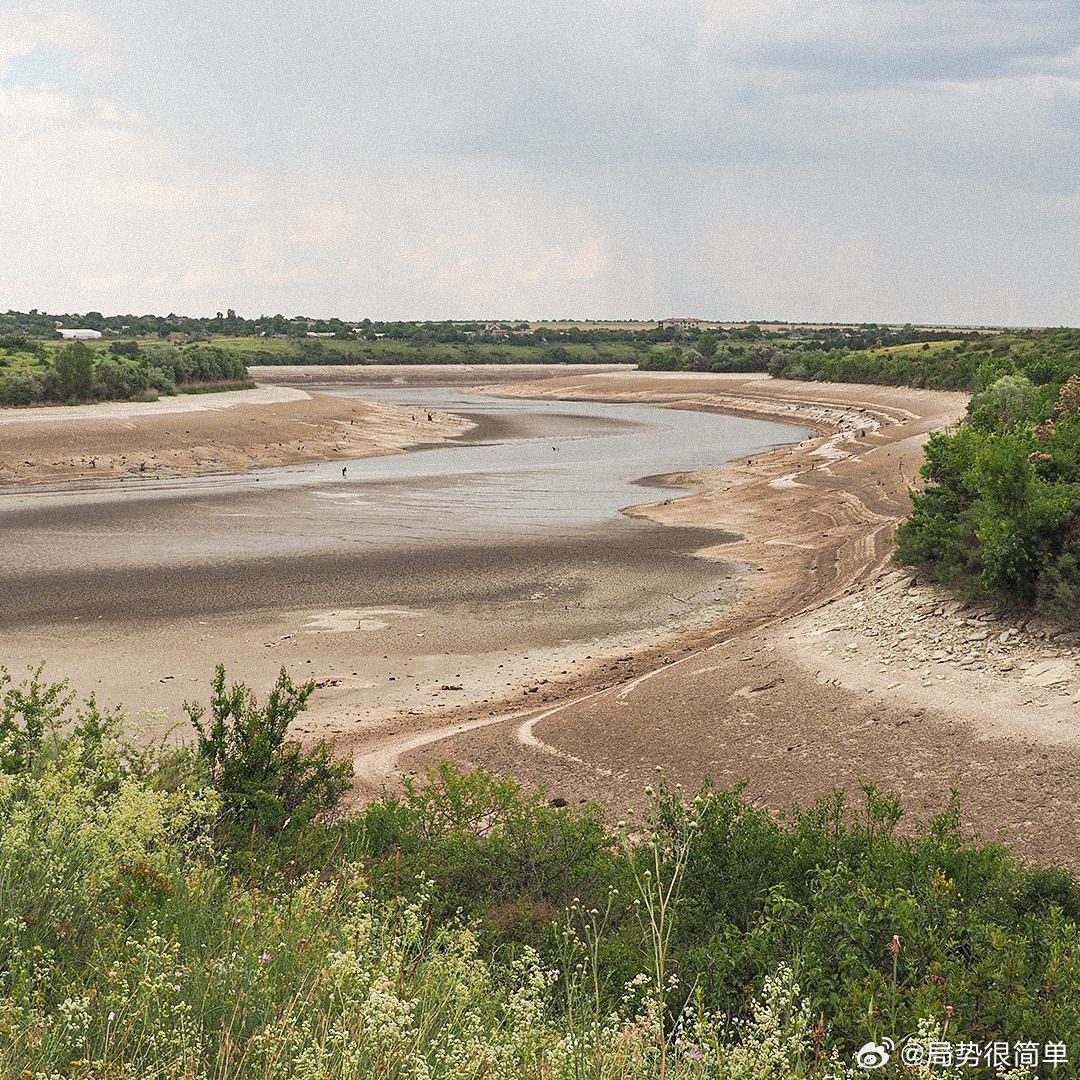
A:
(1000, 515)
(32, 375)
(159, 916)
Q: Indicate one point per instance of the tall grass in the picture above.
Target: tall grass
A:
(465, 929)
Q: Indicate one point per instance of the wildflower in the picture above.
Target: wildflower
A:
(693, 1053)
(266, 958)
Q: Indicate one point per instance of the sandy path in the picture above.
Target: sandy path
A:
(769, 694)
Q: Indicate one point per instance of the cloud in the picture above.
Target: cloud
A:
(855, 159)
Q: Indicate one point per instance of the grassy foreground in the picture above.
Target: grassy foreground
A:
(207, 913)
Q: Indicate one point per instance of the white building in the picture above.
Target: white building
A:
(78, 335)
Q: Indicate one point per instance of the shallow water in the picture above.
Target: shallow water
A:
(549, 469)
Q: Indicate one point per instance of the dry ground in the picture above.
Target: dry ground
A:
(762, 695)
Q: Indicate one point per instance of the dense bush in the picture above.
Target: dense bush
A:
(1000, 516)
(77, 373)
(467, 929)
(266, 781)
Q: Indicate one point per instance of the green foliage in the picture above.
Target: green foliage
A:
(468, 929)
(28, 714)
(32, 375)
(266, 781)
(508, 858)
(160, 380)
(707, 345)
(974, 362)
(74, 368)
(1004, 404)
(1000, 516)
(823, 893)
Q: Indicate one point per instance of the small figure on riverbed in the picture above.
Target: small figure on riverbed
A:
(344, 470)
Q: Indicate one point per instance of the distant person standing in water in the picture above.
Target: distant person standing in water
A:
(344, 470)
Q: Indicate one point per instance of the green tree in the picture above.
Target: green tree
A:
(706, 345)
(75, 371)
(1004, 404)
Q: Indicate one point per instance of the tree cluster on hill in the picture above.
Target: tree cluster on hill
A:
(950, 364)
(30, 374)
(210, 912)
(837, 353)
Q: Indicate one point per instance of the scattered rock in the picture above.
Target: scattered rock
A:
(1048, 673)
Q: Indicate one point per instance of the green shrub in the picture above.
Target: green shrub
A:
(1000, 515)
(467, 928)
(265, 780)
(74, 367)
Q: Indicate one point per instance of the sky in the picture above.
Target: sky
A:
(847, 160)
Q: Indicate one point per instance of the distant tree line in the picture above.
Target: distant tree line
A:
(842, 354)
(44, 325)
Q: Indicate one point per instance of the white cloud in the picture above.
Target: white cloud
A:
(821, 158)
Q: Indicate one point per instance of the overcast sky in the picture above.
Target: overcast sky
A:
(759, 159)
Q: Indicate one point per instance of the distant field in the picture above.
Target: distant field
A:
(387, 351)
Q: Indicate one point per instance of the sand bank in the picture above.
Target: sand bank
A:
(230, 432)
